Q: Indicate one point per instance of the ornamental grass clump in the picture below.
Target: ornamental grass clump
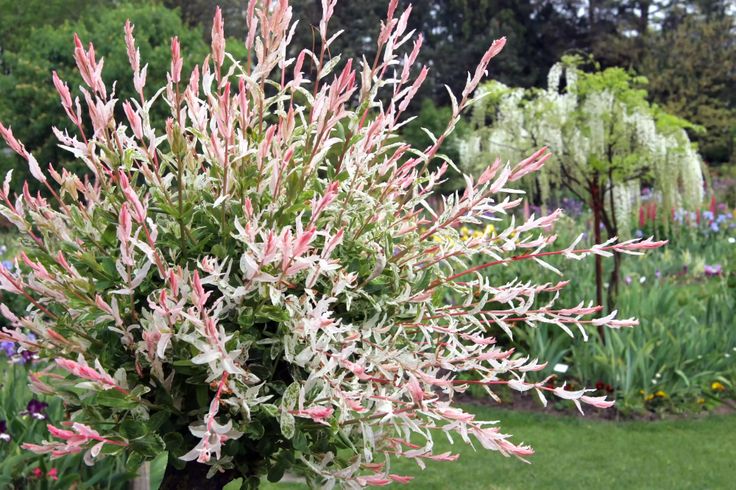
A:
(261, 285)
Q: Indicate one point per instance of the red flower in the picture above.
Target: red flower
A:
(37, 473)
(600, 385)
(53, 474)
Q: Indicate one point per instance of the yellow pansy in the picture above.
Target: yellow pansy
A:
(717, 386)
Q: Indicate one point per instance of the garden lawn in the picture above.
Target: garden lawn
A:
(574, 452)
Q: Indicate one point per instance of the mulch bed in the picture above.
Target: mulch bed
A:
(529, 402)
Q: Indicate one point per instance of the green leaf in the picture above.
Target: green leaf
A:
(290, 396)
(135, 460)
(276, 472)
(150, 446)
(288, 424)
(133, 429)
(174, 443)
(158, 469)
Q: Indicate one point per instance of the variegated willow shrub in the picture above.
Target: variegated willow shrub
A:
(262, 285)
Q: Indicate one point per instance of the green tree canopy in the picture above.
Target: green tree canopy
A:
(691, 67)
(29, 97)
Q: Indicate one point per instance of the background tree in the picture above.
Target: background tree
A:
(691, 67)
(605, 137)
(35, 105)
(18, 19)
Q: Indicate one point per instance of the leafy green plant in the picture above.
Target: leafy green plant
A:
(23, 419)
(685, 344)
(258, 286)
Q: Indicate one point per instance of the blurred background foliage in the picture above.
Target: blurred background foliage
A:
(685, 48)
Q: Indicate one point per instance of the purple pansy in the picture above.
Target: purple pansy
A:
(35, 409)
(4, 436)
(712, 270)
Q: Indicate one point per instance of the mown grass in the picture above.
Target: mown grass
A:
(575, 452)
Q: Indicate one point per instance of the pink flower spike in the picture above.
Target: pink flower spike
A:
(320, 204)
(134, 119)
(317, 414)
(404, 480)
(88, 67)
(176, 61)
(17, 146)
(82, 370)
(14, 144)
(75, 441)
(373, 481)
(597, 401)
(139, 212)
(133, 53)
(252, 20)
(447, 456)
(415, 390)
(66, 98)
(218, 39)
(199, 292)
(480, 71)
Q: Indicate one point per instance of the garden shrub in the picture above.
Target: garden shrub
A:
(260, 286)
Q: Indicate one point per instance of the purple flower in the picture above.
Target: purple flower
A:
(8, 348)
(712, 270)
(657, 274)
(26, 356)
(639, 234)
(627, 280)
(4, 436)
(6, 264)
(36, 409)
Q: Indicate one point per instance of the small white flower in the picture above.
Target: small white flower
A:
(731, 240)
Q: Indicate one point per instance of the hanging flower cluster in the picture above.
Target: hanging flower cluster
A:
(259, 284)
(603, 133)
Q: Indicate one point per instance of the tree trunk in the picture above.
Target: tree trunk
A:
(613, 282)
(597, 206)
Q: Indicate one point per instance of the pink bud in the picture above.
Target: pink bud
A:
(14, 144)
(176, 61)
(199, 293)
(480, 70)
(66, 98)
(133, 53)
(218, 39)
(415, 390)
(88, 67)
(134, 119)
(138, 210)
(252, 22)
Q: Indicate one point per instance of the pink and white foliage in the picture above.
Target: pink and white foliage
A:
(76, 440)
(285, 221)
